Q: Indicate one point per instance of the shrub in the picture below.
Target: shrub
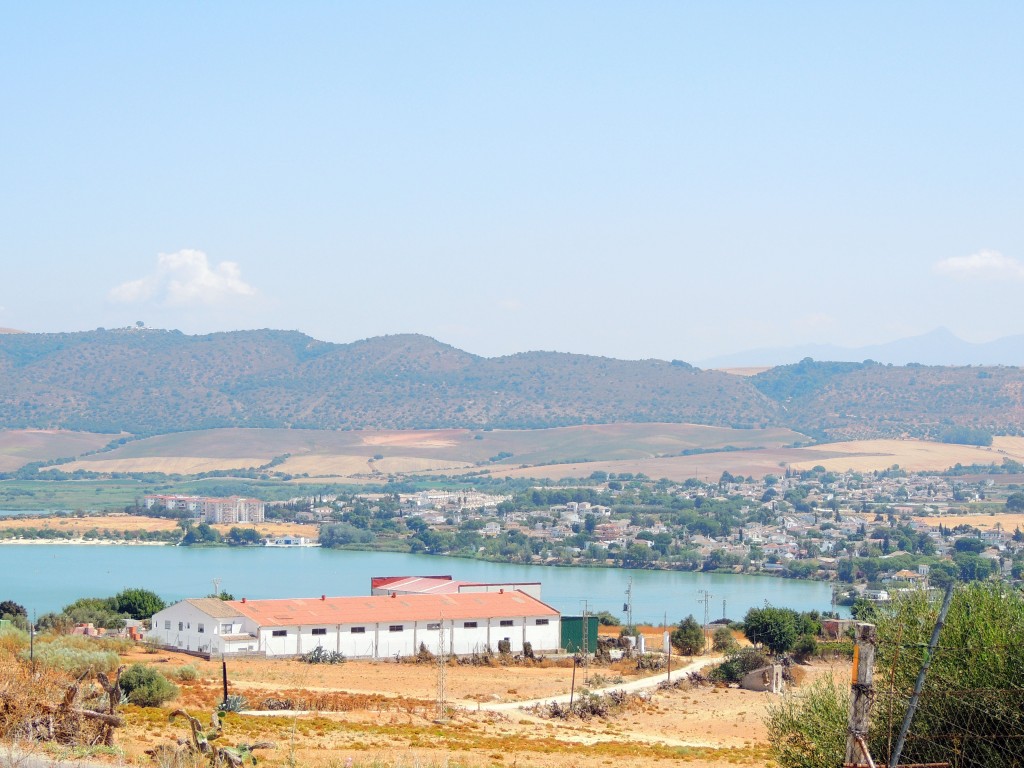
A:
(723, 640)
(688, 637)
(806, 646)
(144, 686)
(319, 656)
(74, 660)
(233, 703)
(12, 641)
(809, 730)
(504, 647)
(738, 663)
(187, 673)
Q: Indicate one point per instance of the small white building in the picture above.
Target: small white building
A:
(360, 627)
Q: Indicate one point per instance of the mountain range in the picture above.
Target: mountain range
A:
(147, 381)
(938, 347)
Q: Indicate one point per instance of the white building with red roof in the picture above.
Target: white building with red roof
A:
(378, 626)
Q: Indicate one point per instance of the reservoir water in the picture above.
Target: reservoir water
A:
(45, 577)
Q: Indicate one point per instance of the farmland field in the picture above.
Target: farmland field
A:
(369, 454)
(80, 525)
(21, 446)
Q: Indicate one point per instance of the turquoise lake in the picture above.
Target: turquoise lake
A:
(45, 577)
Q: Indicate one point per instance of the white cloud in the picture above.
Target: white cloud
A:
(185, 277)
(986, 265)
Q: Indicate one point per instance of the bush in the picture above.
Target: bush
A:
(504, 647)
(688, 637)
(806, 646)
(144, 686)
(233, 704)
(62, 655)
(738, 663)
(809, 730)
(723, 640)
(12, 641)
(319, 656)
(187, 673)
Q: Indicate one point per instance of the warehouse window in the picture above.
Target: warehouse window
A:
(396, 628)
(358, 630)
(319, 631)
(506, 622)
(434, 627)
(181, 626)
(470, 625)
(280, 633)
(541, 622)
(167, 625)
(202, 627)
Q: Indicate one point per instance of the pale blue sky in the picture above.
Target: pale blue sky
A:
(673, 180)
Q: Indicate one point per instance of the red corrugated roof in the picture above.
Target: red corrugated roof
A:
(386, 609)
(384, 581)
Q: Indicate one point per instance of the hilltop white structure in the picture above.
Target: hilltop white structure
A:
(359, 627)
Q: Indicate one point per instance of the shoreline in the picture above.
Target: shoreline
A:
(85, 542)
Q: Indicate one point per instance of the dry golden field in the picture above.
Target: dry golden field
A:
(118, 522)
(1006, 521)
(21, 446)
(382, 714)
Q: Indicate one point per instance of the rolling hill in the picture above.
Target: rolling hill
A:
(148, 382)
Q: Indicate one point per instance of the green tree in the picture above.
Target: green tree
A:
(1015, 502)
(688, 637)
(201, 534)
(774, 628)
(138, 603)
(9, 609)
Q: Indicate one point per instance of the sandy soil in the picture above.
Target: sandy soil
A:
(387, 713)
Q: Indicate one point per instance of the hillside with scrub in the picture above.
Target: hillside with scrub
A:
(146, 381)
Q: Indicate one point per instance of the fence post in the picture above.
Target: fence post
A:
(862, 696)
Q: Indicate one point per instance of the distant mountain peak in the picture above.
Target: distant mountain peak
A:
(939, 346)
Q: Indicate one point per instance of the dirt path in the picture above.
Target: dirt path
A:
(643, 684)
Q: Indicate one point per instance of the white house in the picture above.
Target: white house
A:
(360, 627)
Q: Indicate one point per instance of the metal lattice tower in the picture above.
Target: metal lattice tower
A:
(706, 599)
(442, 667)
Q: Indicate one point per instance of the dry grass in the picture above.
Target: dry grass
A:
(116, 522)
(171, 465)
(21, 446)
(392, 725)
(1006, 521)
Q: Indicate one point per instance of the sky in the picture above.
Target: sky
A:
(675, 180)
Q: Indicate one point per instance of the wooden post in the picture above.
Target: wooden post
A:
(862, 695)
(224, 673)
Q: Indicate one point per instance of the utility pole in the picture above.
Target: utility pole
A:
(668, 648)
(585, 644)
(706, 599)
(862, 694)
(628, 607)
